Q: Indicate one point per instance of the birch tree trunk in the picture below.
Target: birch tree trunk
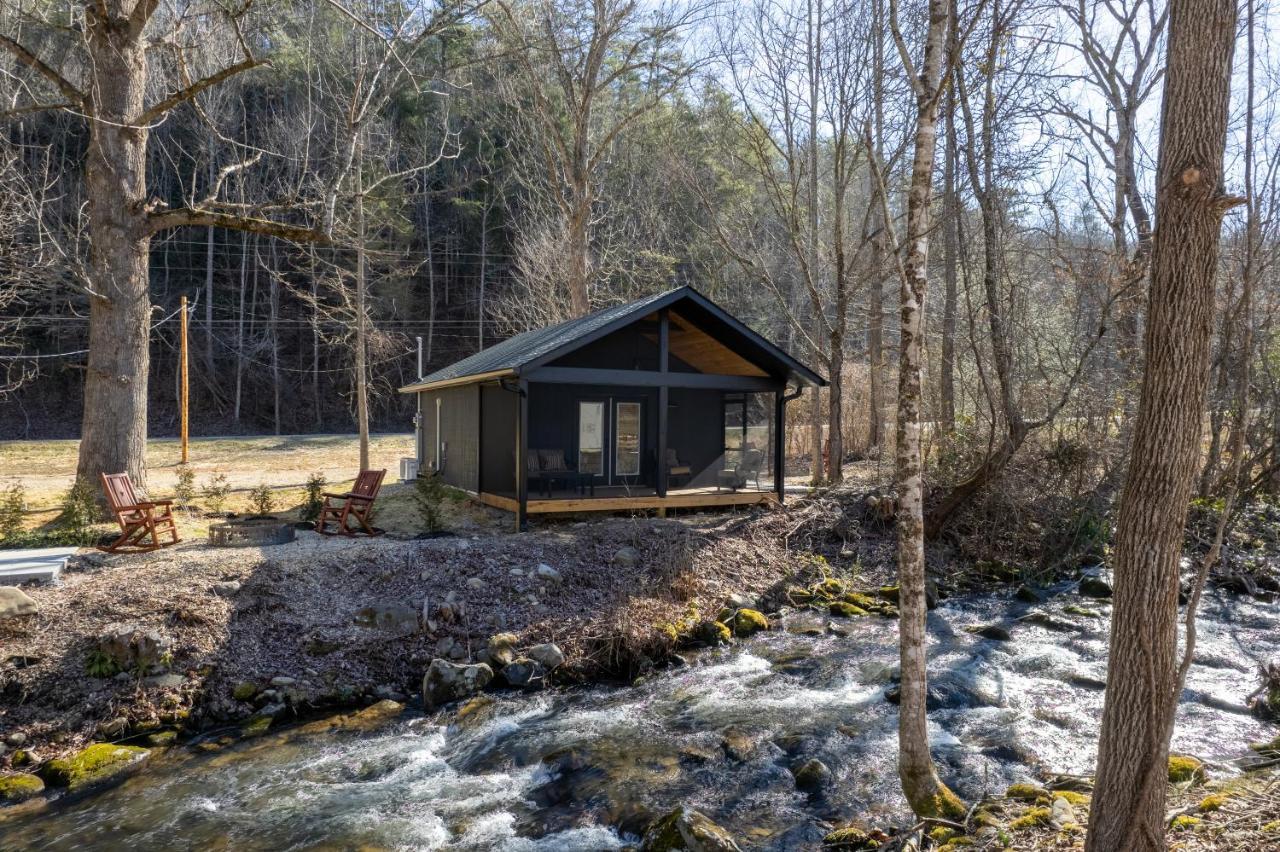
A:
(925, 792)
(1137, 720)
(361, 368)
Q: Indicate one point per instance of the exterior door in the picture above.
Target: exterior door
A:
(591, 436)
(628, 417)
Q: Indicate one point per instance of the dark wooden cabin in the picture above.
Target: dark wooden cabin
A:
(580, 416)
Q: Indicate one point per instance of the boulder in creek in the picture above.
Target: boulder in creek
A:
(1093, 586)
(991, 631)
(744, 622)
(18, 787)
(524, 673)
(446, 681)
(98, 764)
(688, 830)
(812, 776)
(134, 647)
(548, 655)
(15, 602)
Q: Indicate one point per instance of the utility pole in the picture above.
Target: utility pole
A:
(184, 396)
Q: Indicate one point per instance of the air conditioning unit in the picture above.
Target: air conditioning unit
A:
(408, 470)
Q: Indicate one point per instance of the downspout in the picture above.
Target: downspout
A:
(780, 442)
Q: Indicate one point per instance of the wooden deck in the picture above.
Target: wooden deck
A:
(623, 500)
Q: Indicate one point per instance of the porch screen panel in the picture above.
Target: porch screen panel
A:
(591, 437)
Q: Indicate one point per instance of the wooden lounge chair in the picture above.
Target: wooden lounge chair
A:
(143, 523)
(356, 503)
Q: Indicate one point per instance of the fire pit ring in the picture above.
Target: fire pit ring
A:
(251, 532)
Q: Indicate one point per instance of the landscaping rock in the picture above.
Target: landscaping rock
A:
(134, 647)
(446, 681)
(546, 572)
(99, 764)
(19, 787)
(226, 589)
(1093, 586)
(548, 655)
(390, 618)
(626, 557)
(688, 830)
(14, 603)
(524, 673)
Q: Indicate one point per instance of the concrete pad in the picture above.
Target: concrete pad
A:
(38, 565)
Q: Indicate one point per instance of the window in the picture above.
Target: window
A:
(626, 459)
(591, 437)
(735, 429)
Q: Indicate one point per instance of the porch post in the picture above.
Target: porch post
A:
(780, 444)
(664, 326)
(522, 452)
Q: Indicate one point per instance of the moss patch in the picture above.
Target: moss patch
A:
(19, 787)
(1183, 769)
(1212, 802)
(1184, 823)
(1072, 797)
(1027, 793)
(845, 610)
(748, 621)
(99, 763)
(1033, 818)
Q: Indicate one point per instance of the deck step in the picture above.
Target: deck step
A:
(38, 565)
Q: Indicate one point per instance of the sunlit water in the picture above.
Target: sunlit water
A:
(587, 769)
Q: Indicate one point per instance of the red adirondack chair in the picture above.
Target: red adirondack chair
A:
(142, 522)
(356, 503)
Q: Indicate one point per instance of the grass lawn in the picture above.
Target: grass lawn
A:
(46, 469)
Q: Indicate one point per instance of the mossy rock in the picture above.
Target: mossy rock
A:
(1034, 817)
(162, 739)
(957, 843)
(244, 691)
(942, 834)
(889, 593)
(100, 763)
(1184, 823)
(748, 621)
(256, 727)
(1024, 792)
(863, 600)
(845, 610)
(1072, 797)
(687, 829)
(850, 837)
(1269, 746)
(829, 588)
(713, 633)
(1184, 769)
(1074, 609)
(798, 596)
(1212, 802)
(1272, 828)
(19, 787)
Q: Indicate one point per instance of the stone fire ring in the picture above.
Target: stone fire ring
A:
(251, 532)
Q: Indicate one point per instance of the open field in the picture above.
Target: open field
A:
(46, 469)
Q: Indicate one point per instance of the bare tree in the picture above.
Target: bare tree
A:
(1142, 673)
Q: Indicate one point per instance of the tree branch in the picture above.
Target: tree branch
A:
(187, 217)
(34, 62)
(153, 113)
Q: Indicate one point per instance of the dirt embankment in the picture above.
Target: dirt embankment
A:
(324, 623)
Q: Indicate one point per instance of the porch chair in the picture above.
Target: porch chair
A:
(142, 522)
(746, 470)
(677, 469)
(356, 503)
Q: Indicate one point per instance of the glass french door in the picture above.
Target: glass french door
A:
(626, 440)
(591, 437)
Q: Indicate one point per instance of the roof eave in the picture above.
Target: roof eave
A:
(457, 381)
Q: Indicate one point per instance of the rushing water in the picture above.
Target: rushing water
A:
(586, 769)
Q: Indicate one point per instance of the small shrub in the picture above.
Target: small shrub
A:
(11, 507)
(185, 489)
(215, 492)
(315, 497)
(79, 513)
(261, 499)
(429, 492)
(101, 664)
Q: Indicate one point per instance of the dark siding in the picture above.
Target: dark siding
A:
(695, 430)
(553, 419)
(498, 439)
(459, 429)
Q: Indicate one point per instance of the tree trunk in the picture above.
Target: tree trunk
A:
(812, 49)
(579, 238)
(114, 433)
(950, 238)
(875, 306)
(361, 368)
(925, 792)
(1137, 720)
(273, 305)
(244, 280)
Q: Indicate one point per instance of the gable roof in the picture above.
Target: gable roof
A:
(540, 345)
